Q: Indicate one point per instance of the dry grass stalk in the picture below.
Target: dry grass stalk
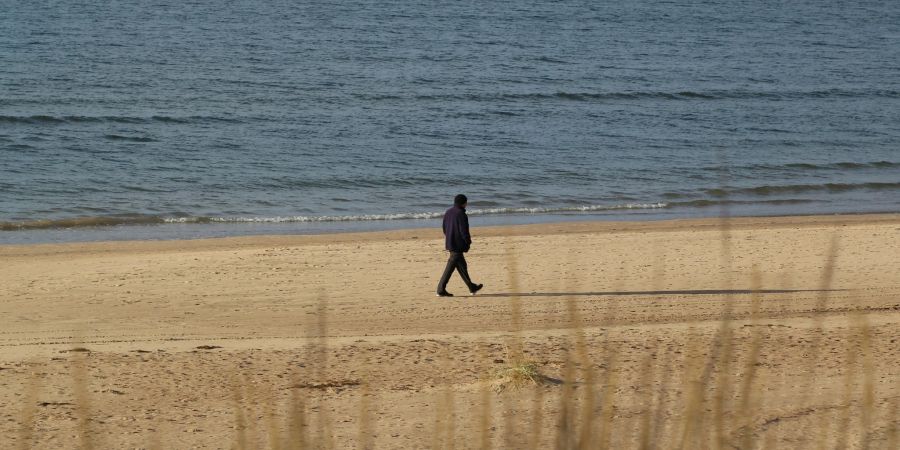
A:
(29, 408)
(646, 402)
(652, 416)
(818, 325)
(722, 350)
(692, 389)
(892, 439)
(323, 419)
(657, 425)
(565, 429)
(849, 384)
(769, 441)
(827, 275)
(365, 436)
(269, 415)
(787, 283)
(868, 397)
(251, 397)
(245, 398)
(537, 419)
(892, 433)
(514, 343)
(573, 358)
(745, 412)
(297, 434)
(515, 353)
(445, 426)
(155, 438)
(758, 396)
(437, 435)
(586, 429)
(722, 343)
(484, 417)
(822, 304)
(517, 376)
(240, 418)
(82, 400)
(585, 435)
(658, 278)
(608, 394)
(609, 383)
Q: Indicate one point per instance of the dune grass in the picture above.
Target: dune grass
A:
(516, 376)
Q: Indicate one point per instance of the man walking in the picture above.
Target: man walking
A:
(457, 241)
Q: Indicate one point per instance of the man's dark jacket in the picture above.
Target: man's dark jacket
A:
(456, 230)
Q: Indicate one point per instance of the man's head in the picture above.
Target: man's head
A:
(460, 200)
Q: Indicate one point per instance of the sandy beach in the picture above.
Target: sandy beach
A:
(207, 343)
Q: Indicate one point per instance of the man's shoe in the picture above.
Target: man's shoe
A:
(476, 288)
(444, 294)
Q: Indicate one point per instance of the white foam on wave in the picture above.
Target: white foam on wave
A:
(414, 216)
(586, 208)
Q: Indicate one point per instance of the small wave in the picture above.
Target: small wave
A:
(548, 59)
(586, 208)
(710, 203)
(116, 137)
(166, 119)
(807, 166)
(80, 222)
(101, 221)
(700, 95)
(803, 166)
(800, 188)
(412, 180)
(31, 119)
(649, 95)
(19, 147)
(55, 120)
(415, 215)
(850, 165)
(845, 165)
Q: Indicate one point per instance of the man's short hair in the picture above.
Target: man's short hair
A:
(460, 200)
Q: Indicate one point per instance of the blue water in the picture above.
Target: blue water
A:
(137, 119)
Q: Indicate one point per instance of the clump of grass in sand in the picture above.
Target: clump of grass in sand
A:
(516, 376)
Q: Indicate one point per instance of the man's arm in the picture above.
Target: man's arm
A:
(464, 222)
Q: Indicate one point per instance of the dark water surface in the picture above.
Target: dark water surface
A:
(202, 118)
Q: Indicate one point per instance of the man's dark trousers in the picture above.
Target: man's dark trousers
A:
(456, 262)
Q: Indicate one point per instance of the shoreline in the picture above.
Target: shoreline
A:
(542, 228)
(89, 231)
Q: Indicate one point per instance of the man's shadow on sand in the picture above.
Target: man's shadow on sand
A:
(672, 292)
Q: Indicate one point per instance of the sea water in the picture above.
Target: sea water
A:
(165, 119)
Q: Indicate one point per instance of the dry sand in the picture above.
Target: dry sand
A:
(261, 307)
